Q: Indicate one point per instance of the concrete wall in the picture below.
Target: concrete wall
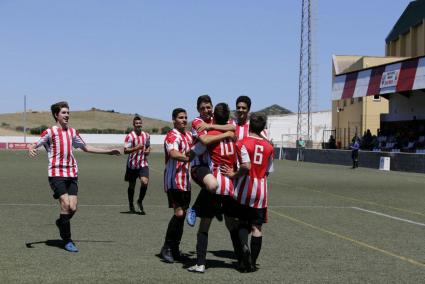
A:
(116, 139)
(283, 128)
(407, 162)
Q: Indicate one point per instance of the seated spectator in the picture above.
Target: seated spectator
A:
(332, 142)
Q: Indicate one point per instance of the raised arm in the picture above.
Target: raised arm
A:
(205, 126)
(211, 139)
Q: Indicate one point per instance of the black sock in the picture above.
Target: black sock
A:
(243, 237)
(180, 226)
(201, 248)
(143, 189)
(130, 193)
(197, 203)
(255, 248)
(172, 231)
(234, 235)
(65, 226)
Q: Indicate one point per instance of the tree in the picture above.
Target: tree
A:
(165, 129)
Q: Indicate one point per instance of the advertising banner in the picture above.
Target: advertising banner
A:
(19, 146)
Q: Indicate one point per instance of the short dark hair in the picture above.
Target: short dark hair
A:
(176, 111)
(203, 99)
(257, 123)
(56, 108)
(244, 99)
(221, 113)
(136, 117)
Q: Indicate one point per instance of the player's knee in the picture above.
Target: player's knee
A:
(65, 205)
(72, 208)
(144, 181)
(210, 182)
(179, 213)
(256, 230)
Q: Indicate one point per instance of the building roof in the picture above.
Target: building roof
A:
(412, 16)
(394, 77)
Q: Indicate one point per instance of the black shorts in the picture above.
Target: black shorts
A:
(178, 198)
(63, 185)
(198, 173)
(230, 206)
(253, 216)
(208, 204)
(133, 174)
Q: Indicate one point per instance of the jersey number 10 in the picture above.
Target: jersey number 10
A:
(226, 148)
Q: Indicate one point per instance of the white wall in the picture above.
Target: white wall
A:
(88, 138)
(283, 128)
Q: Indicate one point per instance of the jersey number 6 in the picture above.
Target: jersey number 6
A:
(258, 154)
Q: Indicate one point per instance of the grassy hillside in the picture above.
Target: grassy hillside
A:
(80, 120)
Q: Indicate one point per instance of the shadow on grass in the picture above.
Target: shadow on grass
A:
(184, 258)
(58, 243)
(213, 263)
(132, 213)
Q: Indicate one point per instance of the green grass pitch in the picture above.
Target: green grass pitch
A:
(327, 224)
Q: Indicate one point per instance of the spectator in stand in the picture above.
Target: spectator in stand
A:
(332, 142)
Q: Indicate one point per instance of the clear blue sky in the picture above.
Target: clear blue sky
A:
(152, 56)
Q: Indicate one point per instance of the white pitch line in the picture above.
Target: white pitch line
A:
(124, 205)
(389, 216)
(79, 205)
(310, 206)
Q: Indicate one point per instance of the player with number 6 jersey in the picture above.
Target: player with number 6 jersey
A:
(251, 189)
(255, 156)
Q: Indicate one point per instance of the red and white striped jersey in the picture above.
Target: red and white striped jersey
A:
(177, 173)
(221, 153)
(58, 143)
(242, 130)
(251, 189)
(203, 159)
(137, 160)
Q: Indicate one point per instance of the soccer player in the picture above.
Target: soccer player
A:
(243, 106)
(200, 170)
(177, 146)
(137, 145)
(255, 156)
(221, 153)
(58, 141)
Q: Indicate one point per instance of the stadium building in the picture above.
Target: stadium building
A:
(384, 94)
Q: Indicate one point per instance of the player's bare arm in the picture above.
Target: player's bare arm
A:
(147, 151)
(211, 139)
(176, 155)
(205, 126)
(32, 151)
(242, 171)
(129, 150)
(94, 150)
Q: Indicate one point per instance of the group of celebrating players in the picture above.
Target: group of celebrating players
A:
(229, 159)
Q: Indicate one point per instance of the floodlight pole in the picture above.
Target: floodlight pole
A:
(304, 122)
(25, 119)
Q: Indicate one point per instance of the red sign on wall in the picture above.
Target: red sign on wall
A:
(19, 146)
(3, 145)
